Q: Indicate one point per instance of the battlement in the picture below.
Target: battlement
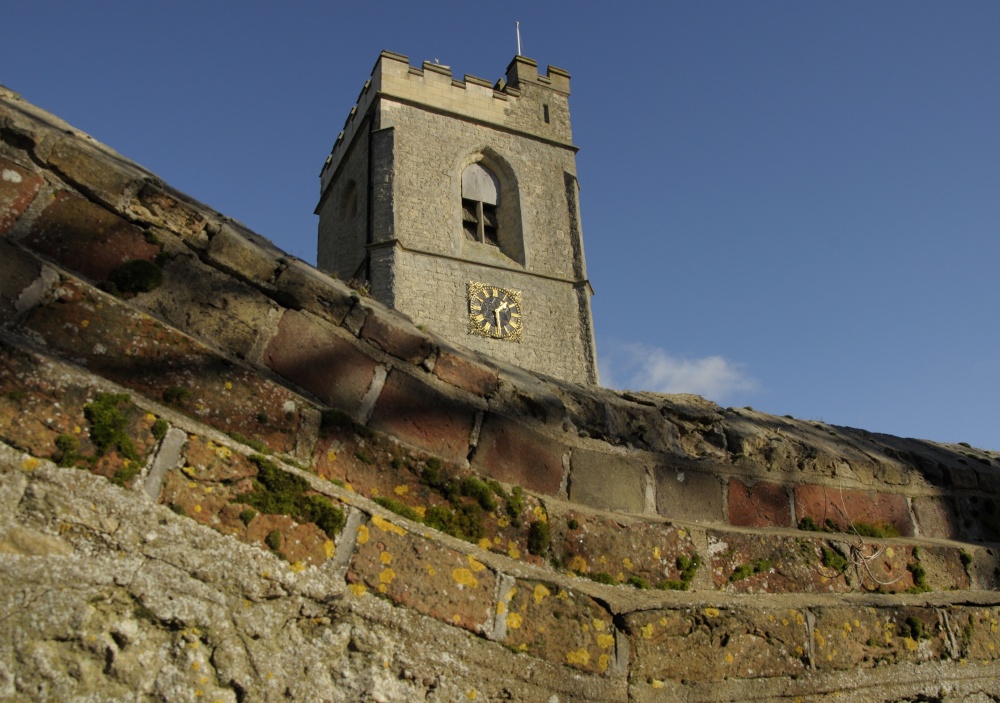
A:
(524, 100)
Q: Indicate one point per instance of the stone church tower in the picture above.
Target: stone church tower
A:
(457, 201)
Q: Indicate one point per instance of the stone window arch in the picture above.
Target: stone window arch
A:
(491, 212)
(480, 204)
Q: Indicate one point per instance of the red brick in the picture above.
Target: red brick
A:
(466, 374)
(86, 238)
(307, 352)
(424, 417)
(849, 506)
(760, 505)
(18, 188)
(510, 452)
(395, 336)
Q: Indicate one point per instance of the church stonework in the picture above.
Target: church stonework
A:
(457, 202)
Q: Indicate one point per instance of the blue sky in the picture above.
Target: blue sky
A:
(792, 205)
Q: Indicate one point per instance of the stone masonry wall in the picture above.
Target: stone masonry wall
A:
(249, 482)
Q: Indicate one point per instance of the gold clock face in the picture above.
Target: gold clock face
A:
(495, 312)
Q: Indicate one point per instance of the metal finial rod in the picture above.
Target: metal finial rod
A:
(517, 27)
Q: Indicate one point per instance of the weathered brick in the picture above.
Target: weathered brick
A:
(761, 504)
(394, 335)
(760, 563)
(607, 481)
(18, 188)
(308, 353)
(423, 575)
(510, 452)
(688, 495)
(557, 624)
(86, 238)
(141, 353)
(845, 507)
(623, 549)
(423, 416)
(457, 369)
(712, 644)
(860, 638)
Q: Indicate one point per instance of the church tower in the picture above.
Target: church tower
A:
(457, 202)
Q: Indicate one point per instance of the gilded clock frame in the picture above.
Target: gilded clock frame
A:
(487, 290)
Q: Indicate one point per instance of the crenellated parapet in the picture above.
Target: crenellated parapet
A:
(523, 100)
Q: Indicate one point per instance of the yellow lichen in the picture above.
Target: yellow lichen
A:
(386, 526)
(656, 552)
(598, 624)
(602, 663)
(729, 658)
(579, 564)
(712, 612)
(297, 567)
(229, 385)
(431, 571)
(85, 323)
(911, 644)
(420, 510)
(562, 595)
(385, 558)
(820, 640)
(464, 577)
(585, 627)
(471, 694)
(386, 576)
(502, 522)
(197, 508)
(514, 621)
(646, 631)
(580, 657)
(512, 551)
(501, 607)
(541, 593)
(605, 641)
(627, 563)
(329, 548)
(30, 463)
(539, 513)
(485, 543)
(363, 534)
(475, 564)
(401, 490)
(656, 683)
(681, 533)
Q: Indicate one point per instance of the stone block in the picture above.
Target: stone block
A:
(211, 305)
(607, 481)
(707, 644)
(301, 287)
(422, 575)
(935, 517)
(86, 238)
(760, 504)
(18, 271)
(845, 507)
(557, 624)
(18, 187)
(164, 207)
(309, 353)
(461, 371)
(95, 169)
(396, 335)
(232, 251)
(684, 494)
(418, 414)
(511, 452)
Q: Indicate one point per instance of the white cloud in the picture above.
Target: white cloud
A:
(640, 367)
